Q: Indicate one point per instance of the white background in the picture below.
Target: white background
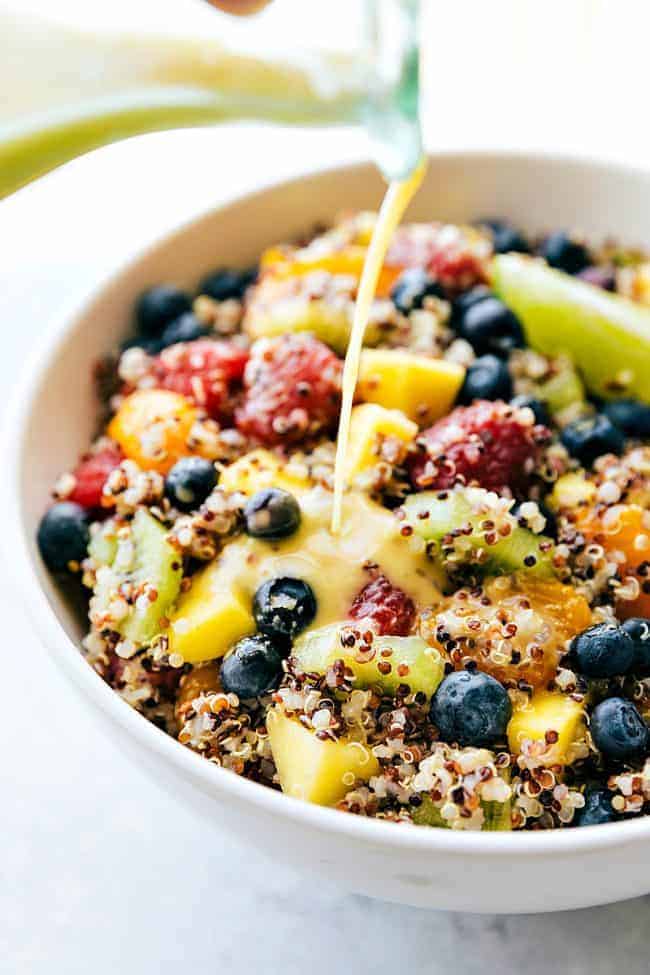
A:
(101, 872)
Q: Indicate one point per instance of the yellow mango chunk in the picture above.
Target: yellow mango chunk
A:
(369, 425)
(424, 389)
(547, 711)
(260, 469)
(571, 490)
(314, 770)
(210, 617)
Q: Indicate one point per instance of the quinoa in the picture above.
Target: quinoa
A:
(573, 560)
(128, 487)
(229, 735)
(202, 534)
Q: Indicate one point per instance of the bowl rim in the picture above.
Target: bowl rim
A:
(189, 764)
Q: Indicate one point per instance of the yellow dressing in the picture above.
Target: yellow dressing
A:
(333, 565)
(398, 196)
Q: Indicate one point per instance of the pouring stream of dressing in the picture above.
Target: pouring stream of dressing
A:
(398, 196)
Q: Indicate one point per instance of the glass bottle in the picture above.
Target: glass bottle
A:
(67, 89)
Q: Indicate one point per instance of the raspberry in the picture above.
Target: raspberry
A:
(90, 476)
(293, 390)
(390, 610)
(457, 268)
(489, 444)
(453, 257)
(205, 371)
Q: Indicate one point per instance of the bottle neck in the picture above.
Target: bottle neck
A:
(391, 113)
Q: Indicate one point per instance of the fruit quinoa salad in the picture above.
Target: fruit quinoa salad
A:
(472, 651)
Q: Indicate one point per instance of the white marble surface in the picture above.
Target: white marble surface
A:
(101, 872)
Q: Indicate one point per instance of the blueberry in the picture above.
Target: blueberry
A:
(272, 513)
(63, 535)
(189, 482)
(490, 326)
(224, 283)
(628, 415)
(564, 253)
(486, 378)
(149, 345)
(618, 730)
(412, 287)
(592, 436)
(551, 527)
(158, 307)
(471, 708)
(597, 808)
(639, 632)
(601, 276)
(284, 607)
(603, 650)
(539, 409)
(465, 301)
(187, 328)
(252, 667)
(505, 237)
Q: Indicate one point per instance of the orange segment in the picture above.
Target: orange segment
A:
(349, 261)
(623, 528)
(152, 426)
(568, 609)
(514, 628)
(640, 606)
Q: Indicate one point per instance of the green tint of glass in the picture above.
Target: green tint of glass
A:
(152, 84)
(391, 110)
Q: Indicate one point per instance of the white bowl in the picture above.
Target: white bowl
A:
(54, 416)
